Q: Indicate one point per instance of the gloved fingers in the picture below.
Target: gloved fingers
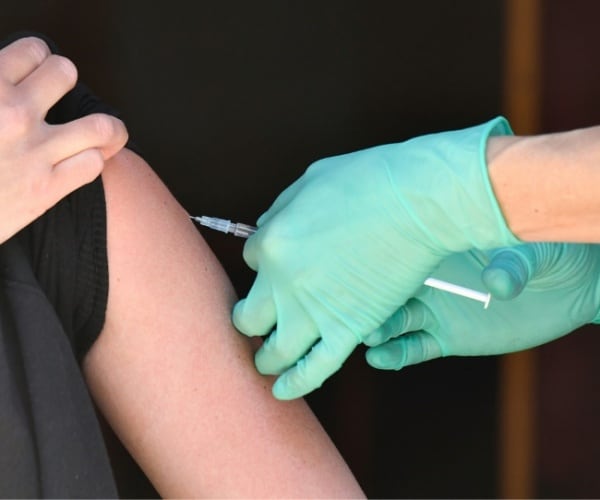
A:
(48, 83)
(413, 316)
(21, 57)
(280, 202)
(280, 351)
(251, 251)
(323, 360)
(409, 349)
(295, 334)
(256, 314)
(508, 272)
(268, 242)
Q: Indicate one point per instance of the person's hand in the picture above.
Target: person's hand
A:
(550, 289)
(349, 242)
(42, 163)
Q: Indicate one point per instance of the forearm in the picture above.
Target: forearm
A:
(546, 184)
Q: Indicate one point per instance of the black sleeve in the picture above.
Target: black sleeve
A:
(67, 245)
(53, 294)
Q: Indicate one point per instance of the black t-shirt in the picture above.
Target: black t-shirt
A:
(53, 293)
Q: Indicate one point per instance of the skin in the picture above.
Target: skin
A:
(42, 163)
(543, 184)
(173, 377)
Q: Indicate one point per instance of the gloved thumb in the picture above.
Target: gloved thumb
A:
(509, 271)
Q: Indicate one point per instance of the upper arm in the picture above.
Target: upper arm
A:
(175, 380)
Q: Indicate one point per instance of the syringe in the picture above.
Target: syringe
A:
(245, 231)
(225, 226)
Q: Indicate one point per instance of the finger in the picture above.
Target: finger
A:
(296, 333)
(280, 202)
(256, 314)
(409, 349)
(74, 172)
(324, 359)
(50, 81)
(413, 316)
(250, 251)
(279, 352)
(265, 243)
(96, 131)
(508, 272)
(21, 58)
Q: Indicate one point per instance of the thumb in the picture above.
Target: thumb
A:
(509, 270)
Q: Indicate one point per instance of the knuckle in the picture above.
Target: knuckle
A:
(317, 165)
(35, 48)
(65, 67)
(15, 118)
(102, 126)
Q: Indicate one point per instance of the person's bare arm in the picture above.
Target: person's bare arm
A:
(176, 381)
(547, 185)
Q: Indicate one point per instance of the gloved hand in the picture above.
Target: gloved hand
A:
(553, 289)
(350, 241)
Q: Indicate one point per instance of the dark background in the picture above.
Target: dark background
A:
(231, 100)
(568, 403)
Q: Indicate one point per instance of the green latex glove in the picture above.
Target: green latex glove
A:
(556, 289)
(354, 238)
